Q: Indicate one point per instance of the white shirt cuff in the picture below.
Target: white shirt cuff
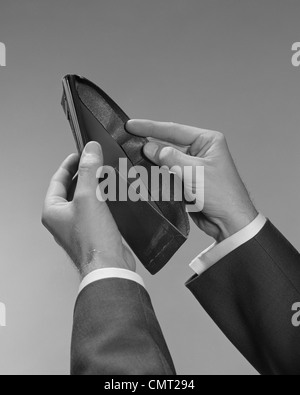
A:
(103, 274)
(218, 251)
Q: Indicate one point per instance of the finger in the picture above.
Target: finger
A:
(91, 161)
(163, 155)
(183, 148)
(169, 132)
(62, 180)
(188, 169)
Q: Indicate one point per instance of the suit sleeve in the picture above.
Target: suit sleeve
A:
(116, 332)
(250, 294)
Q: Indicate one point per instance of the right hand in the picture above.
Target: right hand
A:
(227, 204)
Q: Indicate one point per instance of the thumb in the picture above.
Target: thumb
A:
(168, 156)
(189, 169)
(91, 161)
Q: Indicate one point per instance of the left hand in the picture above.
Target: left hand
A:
(84, 227)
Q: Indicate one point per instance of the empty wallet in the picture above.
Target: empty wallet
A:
(155, 230)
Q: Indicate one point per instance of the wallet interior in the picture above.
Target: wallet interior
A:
(154, 230)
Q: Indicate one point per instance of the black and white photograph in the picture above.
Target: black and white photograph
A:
(150, 185)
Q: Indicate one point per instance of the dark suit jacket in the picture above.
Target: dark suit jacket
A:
(116, 332)
(249, 294)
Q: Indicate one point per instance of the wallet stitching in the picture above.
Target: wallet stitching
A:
(160, 252)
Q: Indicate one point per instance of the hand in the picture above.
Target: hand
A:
(84, 227)
(227, 207)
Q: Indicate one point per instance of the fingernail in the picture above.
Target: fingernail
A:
(166, 152)
(129, 125)
(126, 125)
(92, 148)
(151, 149)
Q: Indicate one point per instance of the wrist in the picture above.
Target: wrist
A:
(234, 223)
(101, 260)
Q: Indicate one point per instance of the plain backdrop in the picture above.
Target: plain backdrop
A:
(217, 64)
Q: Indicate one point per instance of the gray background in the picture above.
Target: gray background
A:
(223, 65)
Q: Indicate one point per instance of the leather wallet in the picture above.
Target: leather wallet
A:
(154, 230)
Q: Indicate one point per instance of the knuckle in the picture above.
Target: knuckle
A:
(220, 136)
(46, 218)
(198, 161)
(172, 125)
(170, 157)
(85, 171)
(84, 168)
(167, 152)
(175, 154)
(88, 165)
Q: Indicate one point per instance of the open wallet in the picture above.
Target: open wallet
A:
(154, 230)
